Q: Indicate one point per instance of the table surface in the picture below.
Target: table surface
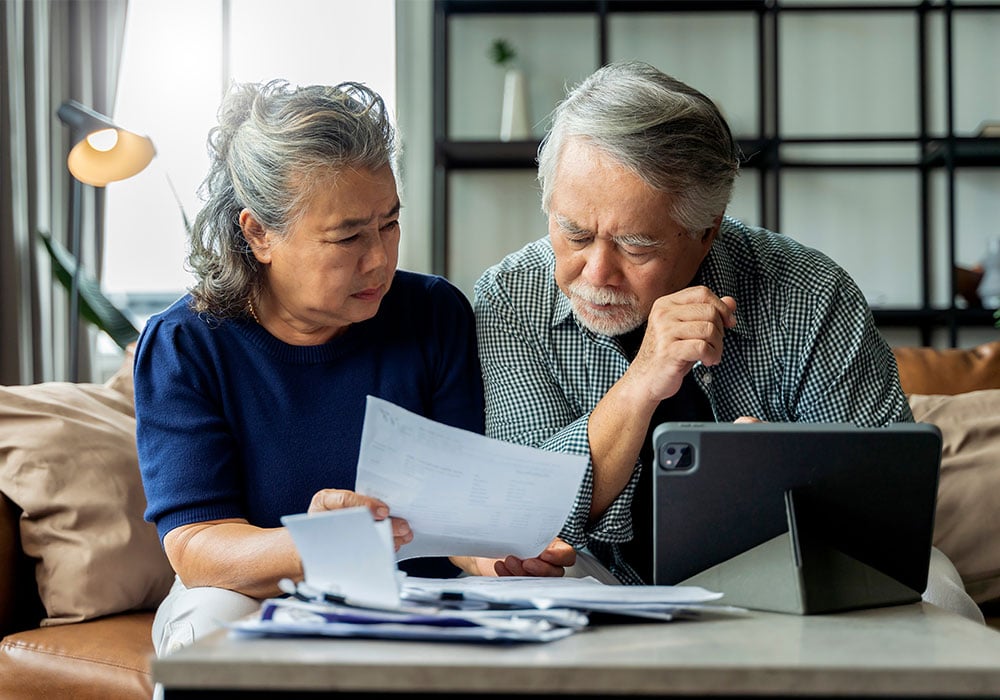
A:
(902, 651)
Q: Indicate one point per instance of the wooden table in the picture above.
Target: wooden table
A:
(906, 651)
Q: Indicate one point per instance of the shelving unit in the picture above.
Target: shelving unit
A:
(924, 153)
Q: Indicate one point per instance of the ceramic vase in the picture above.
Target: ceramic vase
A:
(989, 285)
(514, 117)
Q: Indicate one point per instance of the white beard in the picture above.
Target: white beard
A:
(617, 314)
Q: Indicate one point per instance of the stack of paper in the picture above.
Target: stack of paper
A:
(475, 608)
(582, 594)
(293, 617)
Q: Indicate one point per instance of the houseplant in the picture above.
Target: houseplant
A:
(95, 307)
(514, 115)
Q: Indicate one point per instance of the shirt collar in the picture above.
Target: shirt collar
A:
(563, 310)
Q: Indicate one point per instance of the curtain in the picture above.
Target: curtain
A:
(51, 52)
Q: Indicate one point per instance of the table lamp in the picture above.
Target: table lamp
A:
(102, 152)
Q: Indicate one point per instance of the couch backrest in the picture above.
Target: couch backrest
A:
(924, 370)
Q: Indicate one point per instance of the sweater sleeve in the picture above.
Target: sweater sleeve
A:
(186, 451)
(458, 391)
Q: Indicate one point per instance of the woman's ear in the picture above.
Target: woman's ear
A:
(255, 236)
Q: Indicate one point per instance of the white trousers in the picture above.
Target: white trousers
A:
(187, 614)
(944, 585)
(946, 590)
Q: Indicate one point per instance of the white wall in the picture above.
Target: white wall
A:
(414, 33)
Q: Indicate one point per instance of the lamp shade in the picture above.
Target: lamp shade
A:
(103, 152)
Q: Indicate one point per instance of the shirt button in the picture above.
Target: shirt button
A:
(707, 378)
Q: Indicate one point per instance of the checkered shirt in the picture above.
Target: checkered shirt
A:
(804, 349)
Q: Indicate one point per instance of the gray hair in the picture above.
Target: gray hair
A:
(272, 138)
(671, 135)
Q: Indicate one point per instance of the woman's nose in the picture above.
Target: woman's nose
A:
(376, 255)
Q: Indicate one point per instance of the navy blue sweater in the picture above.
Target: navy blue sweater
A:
(233, 423)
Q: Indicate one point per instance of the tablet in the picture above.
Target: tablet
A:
(799, 517)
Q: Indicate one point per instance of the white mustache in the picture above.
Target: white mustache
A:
(601, 295)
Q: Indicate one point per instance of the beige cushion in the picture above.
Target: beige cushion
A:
(68, 460)
(967, 524)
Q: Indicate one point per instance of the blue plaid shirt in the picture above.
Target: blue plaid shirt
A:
(804, 349)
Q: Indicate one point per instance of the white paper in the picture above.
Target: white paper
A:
(348, 553)
(546, 592)
(462, 493)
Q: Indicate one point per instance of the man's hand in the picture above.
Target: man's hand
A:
(334, 499)
(551, 562)
(683, 328)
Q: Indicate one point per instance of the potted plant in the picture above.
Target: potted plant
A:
(514, 115)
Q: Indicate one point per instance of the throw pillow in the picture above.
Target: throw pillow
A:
(68, 460)
(967, 523)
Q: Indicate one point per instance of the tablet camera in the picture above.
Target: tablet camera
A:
(676, 456)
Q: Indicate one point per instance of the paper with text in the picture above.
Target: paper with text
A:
(462, 493)
(347, 553)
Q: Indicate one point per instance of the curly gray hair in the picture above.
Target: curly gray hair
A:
(671, 135)
(271, 138)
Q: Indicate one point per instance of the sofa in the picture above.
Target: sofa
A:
(81, 573)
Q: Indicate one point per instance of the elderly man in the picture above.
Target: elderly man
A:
(646, 303)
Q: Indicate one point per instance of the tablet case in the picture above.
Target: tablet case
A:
(796, 517)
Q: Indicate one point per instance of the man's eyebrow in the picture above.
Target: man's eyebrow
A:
(358, 222)
(567, 225)
(638, 240)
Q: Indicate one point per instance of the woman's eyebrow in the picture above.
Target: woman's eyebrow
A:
(359, 222)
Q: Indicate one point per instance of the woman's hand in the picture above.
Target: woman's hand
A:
(334, 499)
(551, 562)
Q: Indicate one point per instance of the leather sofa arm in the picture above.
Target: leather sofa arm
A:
(20, 606)
(924, 370)
(10, 554)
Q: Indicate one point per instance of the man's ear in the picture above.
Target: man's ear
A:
(255, 236)
(709, 234)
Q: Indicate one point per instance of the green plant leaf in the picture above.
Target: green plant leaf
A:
(501, 52)
(94, 306)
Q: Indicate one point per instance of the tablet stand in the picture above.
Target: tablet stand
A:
(802, 571)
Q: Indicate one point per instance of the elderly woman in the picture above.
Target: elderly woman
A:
(250, 391)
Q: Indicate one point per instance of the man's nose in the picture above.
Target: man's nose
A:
(601, 267)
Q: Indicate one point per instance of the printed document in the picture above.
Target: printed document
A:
(462, 493)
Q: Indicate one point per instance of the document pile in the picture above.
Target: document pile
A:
(463, 495)
(476, 608)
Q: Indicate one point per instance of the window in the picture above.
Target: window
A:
(173, 73)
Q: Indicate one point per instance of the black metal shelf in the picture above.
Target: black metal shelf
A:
(489, 155)
(465, 155)
(760, 153)
(965, 151)
(528, 7)
(763, 152)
